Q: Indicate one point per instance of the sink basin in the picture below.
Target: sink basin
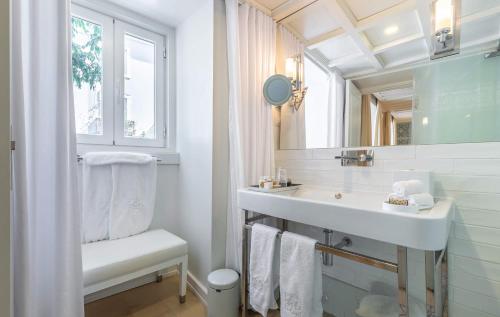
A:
(357, 213)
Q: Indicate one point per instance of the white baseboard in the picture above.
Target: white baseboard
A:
(198, 288)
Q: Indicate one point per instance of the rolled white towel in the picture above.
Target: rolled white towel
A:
(423, 200)
(407, 188)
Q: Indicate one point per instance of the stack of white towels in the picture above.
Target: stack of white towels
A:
(413, 193)
(298, 273)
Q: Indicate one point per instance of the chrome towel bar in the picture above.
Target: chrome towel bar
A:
(353, 256)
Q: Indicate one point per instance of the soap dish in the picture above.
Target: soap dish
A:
(412, 209)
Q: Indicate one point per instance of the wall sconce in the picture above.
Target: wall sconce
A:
(293, 70)
(446, 28)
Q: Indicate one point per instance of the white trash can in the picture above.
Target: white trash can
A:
(223, 293)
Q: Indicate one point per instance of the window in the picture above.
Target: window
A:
(118, 81)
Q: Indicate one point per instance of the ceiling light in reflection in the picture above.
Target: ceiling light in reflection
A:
(425, 121)
(390, 30)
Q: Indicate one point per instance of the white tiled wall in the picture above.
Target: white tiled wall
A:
(470, 173)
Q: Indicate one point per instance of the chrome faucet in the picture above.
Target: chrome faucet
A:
(356, 158)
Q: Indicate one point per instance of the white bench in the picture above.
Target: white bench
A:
(112, 262)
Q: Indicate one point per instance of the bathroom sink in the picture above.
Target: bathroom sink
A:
(357, 213)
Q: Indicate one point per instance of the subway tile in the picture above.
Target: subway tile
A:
(459, 310)
(488, 167)
(477, 301)
(472, 283)
(485, 218)
(482, 269)
(394, 152)
(486, 201)
(467, 183)
(474, 250)
(432, 165)
(462, 150)
(293, 155)
(478, 234)
(326, 154)
(325, 165)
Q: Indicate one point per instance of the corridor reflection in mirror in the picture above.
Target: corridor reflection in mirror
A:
(379, 110)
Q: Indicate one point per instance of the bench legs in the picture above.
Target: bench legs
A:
(183, 267)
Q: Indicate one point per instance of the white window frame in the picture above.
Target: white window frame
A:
(113, 85)
(107, 74)
(122, 29)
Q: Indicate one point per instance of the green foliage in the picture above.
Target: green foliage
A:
(86, 56)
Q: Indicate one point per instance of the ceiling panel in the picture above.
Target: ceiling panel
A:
(393, 29)
(405, 52)
(338, 47)
(384, 80)
(489, 27)
(357, 65)
(312, 21)
(363, 8)
(272, 4)
(474, 6)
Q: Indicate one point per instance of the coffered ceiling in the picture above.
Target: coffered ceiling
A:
(359, 37)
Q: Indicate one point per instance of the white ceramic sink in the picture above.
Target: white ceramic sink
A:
(357, 213)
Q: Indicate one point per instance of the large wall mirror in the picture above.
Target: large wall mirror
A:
(387, 75)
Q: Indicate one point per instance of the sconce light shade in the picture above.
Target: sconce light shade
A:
(290, 68)
(445, 27)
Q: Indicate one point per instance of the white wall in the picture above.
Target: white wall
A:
(470, 173)
(220, 138)
(195, 137)
(5, 295)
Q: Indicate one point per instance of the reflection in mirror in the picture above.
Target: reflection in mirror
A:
(379, 110)
(319, 122)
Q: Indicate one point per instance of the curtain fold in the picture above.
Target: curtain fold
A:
(336, 102)
(47, 272)
(366, 121)
(251, 42)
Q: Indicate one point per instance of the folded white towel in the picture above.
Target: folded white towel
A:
(406, 188)
(301, 287)
(107, 158)
(133, 198)
(261, 268)
(423, 200)
(97, 188)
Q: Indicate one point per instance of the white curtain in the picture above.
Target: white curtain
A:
(251, 41)
(293, 122)
(47, 268)
(336, 106)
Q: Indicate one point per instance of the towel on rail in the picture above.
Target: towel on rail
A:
(133, 199)
(96, 200)
(262, 268)
(301, 286)
(118, 194)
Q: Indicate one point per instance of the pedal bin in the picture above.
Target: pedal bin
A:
(223, 293)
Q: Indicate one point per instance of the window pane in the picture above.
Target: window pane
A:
(87, 76)
(139, 99)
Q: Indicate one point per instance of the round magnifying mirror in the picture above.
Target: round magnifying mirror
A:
(277, 90)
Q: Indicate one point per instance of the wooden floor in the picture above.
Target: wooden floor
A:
(152, 300)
